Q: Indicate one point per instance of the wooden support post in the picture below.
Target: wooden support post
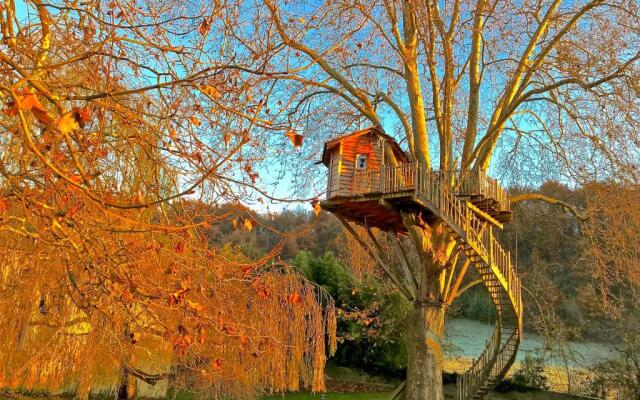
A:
(408, 285)
(376, 257)
(404, 261)
(490, 249)
(453, 262)
(463, 271)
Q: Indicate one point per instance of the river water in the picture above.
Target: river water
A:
(469, 338)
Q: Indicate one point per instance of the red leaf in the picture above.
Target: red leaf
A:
(82, 115)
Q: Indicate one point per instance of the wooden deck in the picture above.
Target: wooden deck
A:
(377, 195)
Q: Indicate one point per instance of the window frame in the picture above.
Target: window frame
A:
(366, 161)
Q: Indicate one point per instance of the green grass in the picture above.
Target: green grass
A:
(331, 396)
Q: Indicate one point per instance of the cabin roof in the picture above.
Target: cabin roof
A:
(331, 144)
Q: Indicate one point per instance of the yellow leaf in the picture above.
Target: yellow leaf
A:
(67, 123)
(248, 225)
(197, 307)
(316, 207)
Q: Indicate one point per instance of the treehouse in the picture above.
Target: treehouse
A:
(369, 185)
(371, 181)
(354, 163)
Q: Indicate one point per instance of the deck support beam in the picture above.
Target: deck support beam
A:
(377, 257)
(406, 264)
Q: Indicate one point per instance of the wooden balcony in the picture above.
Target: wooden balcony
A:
(402, 185)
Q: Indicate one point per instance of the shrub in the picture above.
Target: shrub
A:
(531, 373)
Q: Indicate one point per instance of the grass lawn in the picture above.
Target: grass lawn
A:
(331, 396)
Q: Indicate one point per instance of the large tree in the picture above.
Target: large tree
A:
(524, 90)
(122, 123)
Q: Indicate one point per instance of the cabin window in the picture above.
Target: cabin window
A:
(361, 161)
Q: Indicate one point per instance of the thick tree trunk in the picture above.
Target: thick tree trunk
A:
(424, 350)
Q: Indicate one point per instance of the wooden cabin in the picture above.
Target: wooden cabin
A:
(365, 187)
(359, 151)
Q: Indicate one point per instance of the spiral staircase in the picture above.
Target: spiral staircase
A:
(472, 230)
(470, 208)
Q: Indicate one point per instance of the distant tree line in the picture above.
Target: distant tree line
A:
(564, 297)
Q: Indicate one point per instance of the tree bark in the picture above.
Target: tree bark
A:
(127, 388)
(424, 350)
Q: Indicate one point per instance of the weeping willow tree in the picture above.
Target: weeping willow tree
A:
(525, 90)
(119, 132)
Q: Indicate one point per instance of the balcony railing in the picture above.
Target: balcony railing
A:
(389, 180)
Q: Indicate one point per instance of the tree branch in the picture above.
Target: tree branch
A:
(151, 379)
(537, 196)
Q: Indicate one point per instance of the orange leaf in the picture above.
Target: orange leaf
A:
(205, 26)
(294, 299)
(41, 115)
(195, 121)
(4, 205)
(243, 338)
(177, 297)
(77, 179)
(210, 91)
(29, 102)
(201, 335)
(180, 247)
(216, 365)
(263, 293)
(295, 138)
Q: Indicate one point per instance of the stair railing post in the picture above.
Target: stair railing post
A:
(490, 246)
(467, 222)
(415, 178)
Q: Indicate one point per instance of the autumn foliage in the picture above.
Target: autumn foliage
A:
(117, 134)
